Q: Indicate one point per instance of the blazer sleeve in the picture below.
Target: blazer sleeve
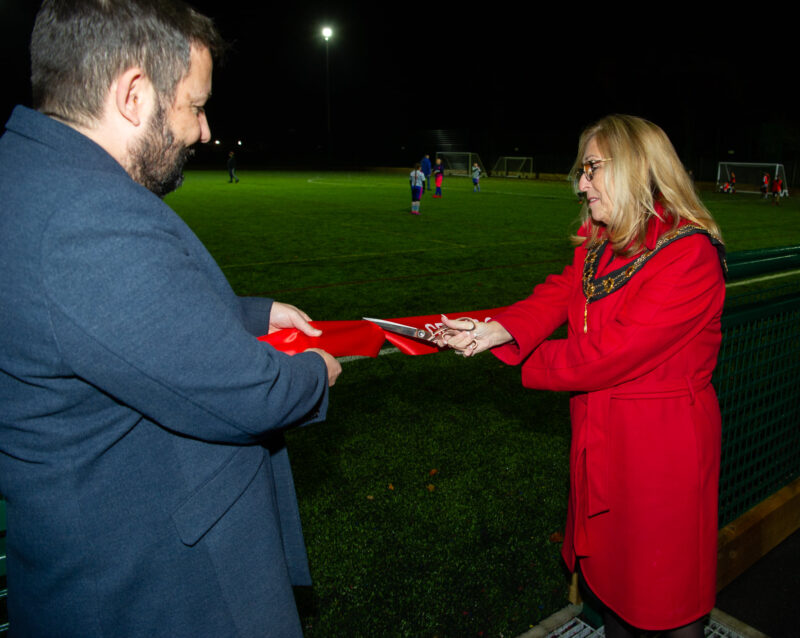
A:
(141, 311)
(532, 320)
(681, 294)
(255, 314)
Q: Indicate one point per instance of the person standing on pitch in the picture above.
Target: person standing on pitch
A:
(425, 166)
(148, 487)
(476, 178)
(417, 180)
(777, 187)
(438, 176)
(232, 168)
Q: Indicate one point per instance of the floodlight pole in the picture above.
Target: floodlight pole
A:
(327, 32)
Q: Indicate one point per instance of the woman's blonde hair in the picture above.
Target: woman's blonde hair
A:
(644, 170)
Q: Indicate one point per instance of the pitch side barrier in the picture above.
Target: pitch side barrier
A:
(765, 274)
(757, 381)
(749, 263)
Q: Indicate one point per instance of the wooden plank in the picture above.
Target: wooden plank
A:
(757, 531)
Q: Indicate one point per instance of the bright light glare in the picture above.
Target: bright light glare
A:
(327, 32)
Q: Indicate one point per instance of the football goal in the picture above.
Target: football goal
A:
(456, 163)
(748, 177)
(507, 166)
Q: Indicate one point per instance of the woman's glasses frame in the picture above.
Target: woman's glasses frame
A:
(589, 167)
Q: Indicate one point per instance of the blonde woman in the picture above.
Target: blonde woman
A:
(642, 300)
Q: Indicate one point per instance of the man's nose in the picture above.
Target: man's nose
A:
(205, 129)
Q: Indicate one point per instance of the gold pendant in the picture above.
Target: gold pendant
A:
(586, 317)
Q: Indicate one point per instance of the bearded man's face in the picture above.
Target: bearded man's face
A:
(157, 158)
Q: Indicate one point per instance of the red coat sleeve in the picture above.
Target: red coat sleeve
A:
(532, 320)
(680, 292)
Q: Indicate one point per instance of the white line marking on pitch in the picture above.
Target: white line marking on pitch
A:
(383, 351)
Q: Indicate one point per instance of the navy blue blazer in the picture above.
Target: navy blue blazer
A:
(148, 488)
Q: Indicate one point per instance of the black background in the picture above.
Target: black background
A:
(504, 80)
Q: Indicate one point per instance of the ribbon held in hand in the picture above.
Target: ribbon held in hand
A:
(364, 338)
(338, 338)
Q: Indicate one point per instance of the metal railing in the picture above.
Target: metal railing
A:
(758, 382)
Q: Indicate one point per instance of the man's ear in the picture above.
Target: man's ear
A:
(131, 95)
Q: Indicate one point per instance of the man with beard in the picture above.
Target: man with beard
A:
(157, 158)
(141, 454)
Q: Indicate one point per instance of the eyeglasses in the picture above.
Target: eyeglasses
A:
(589, 168)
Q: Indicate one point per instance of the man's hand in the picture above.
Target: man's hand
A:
(334, 367)
(284, 315)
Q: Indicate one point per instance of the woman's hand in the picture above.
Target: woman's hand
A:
(469, 337)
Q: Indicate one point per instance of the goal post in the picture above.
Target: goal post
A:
(509, 166)
(749, 176)
(458, 163)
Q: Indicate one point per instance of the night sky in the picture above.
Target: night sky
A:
(515, 79)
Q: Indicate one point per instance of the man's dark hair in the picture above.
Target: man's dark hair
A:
(78, 48)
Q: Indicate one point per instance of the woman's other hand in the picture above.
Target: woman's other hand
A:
(469, 336)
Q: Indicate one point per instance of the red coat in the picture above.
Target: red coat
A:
(644, 458)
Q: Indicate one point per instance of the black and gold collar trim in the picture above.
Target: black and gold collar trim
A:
(595, 289)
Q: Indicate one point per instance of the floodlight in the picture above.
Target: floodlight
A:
(327, 34)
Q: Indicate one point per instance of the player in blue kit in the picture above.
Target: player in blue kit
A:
(425, 166)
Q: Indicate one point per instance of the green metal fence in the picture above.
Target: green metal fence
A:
(758, 383)
(762, 275)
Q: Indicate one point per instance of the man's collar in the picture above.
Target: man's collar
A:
(60, 137)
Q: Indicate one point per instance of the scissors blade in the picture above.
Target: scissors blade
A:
(401, 329)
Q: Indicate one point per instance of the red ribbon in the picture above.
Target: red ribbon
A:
(339, 338)
(364, 338)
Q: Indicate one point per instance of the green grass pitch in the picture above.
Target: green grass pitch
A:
(430, 495)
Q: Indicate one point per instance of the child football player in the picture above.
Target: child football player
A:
(417, 180)
(438, 175)
(476, 178)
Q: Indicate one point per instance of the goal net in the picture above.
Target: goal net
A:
(749, 176)
(456, 163)
(507, 166)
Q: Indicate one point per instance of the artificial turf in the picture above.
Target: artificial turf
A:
(431, 496)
